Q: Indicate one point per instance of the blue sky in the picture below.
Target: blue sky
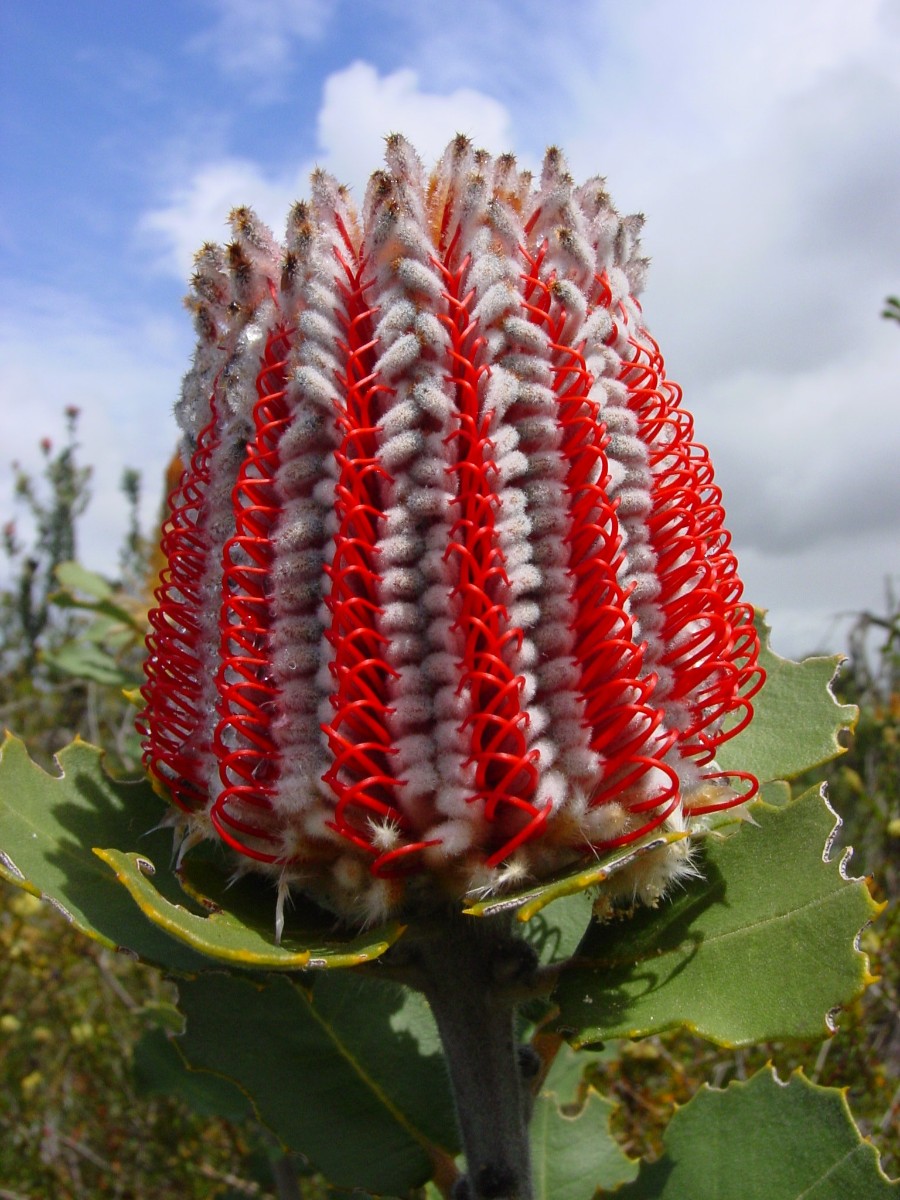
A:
(759, 138)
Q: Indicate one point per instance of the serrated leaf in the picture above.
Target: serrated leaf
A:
(250, 900)
(573, 1155)
(159, 1069)
(764, 1140)
(762, 947)
(776, 792)
(796, 719)
(48, 826)
(572, 1150)
(243, 934)
(337, 1081)
(566, 1077)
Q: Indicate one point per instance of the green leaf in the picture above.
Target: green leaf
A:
(764, 1140)
(796, 719)
(48, 826)
(573, 1152)
(104, 600)
(84, 660)
(335, 1071)
(762, 947)
(112, 614)
(79, 579)
(243, 934)
(776, 792)
(161, 1014)
(555, 933)
(159, 1070)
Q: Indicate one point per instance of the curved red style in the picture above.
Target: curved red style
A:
(449, 592)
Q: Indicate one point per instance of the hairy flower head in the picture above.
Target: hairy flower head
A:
(449, 600)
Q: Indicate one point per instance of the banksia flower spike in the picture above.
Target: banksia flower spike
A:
(449, 601)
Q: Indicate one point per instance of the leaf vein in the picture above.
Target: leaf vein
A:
(377, 1091)
(834, 1166)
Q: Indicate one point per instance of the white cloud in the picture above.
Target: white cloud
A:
(122, 374)
(256, 37)
(761, 144)
(751, 58)
(691, 86)
(809, 456)
(359, 107)
(780, 259)
(813, 595)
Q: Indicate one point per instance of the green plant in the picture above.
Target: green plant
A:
(372, 932)
(380, 1042)
(863, 785)
(53, 511)
(68, 637)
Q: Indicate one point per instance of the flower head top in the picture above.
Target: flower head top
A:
(449, 594)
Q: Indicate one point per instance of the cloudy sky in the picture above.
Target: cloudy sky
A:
(762, 141)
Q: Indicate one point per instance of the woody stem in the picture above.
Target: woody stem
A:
(470, 970)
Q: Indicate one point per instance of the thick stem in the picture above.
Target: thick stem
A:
(286, 1181)
(468, 971)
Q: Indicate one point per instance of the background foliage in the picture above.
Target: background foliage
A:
(95, 1101)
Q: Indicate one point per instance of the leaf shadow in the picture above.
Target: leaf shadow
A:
(107, 817)
(93, 810)
(96, 811)
(344, 1041)
(545, 936)
(620, 963)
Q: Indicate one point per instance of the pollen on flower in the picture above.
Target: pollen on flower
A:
(448, 601)
(511, 874)
(650, 876)
(386, 834)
